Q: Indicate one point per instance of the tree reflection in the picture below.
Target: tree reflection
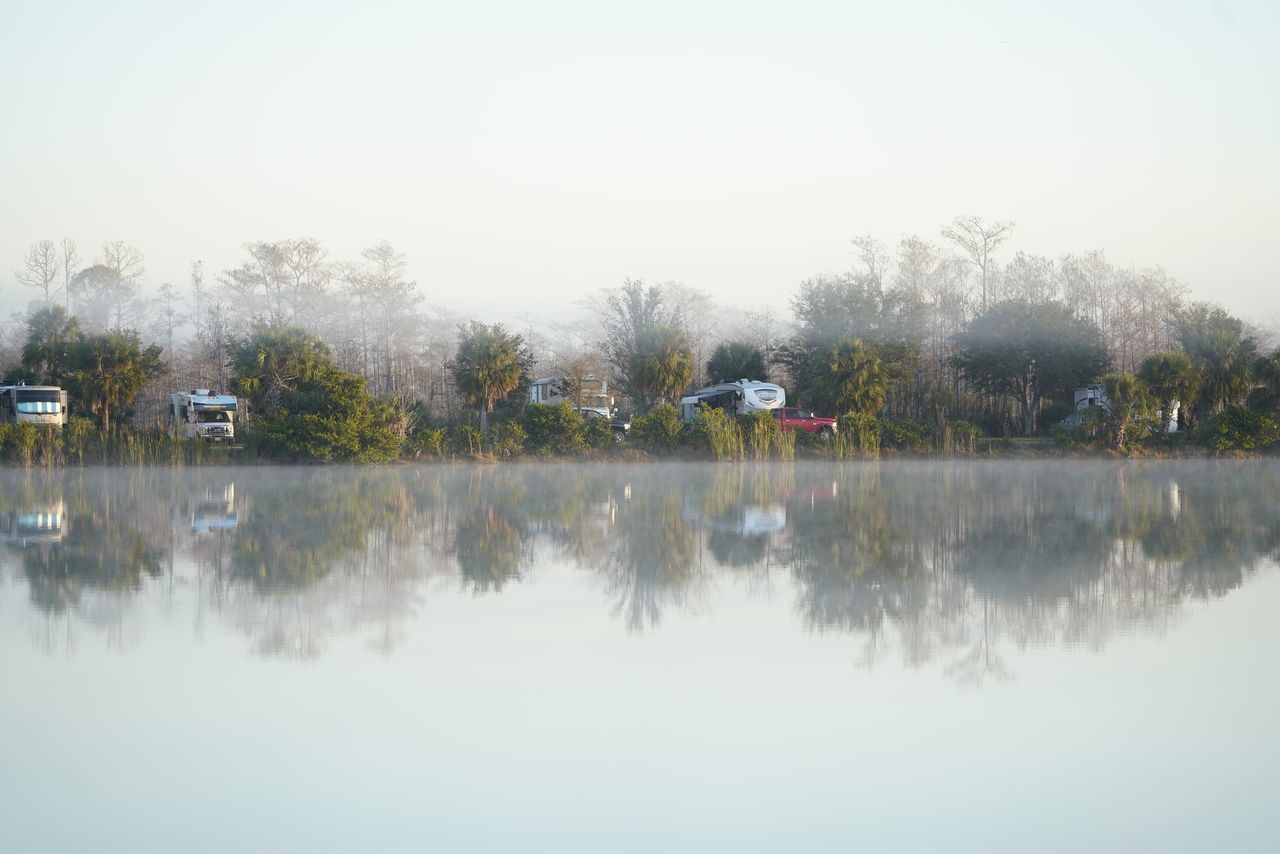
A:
(488, 549)
(953, 563)
(652, 562)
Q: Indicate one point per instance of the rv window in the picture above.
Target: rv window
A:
(31, 395)
(208, 417)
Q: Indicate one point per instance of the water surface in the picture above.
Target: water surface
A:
(911, 656)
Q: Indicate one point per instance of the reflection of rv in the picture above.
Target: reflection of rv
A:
(36, 404)
(36, 525)
(215, 510)
(594, 393)
(201, 414)
(736, 398)
(744, 520)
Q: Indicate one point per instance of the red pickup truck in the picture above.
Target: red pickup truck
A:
(791, 418)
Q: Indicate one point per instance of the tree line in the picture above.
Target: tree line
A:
(932, 334)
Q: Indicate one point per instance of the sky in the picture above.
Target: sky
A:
(524, 155)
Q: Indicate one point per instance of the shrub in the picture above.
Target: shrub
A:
(1239, 429)
(905, 434)
(552, 428)
(465, 439)
(598, 433)
(428, 442)
(507, 439)
(660, 428)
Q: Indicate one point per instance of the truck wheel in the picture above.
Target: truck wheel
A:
(824, 434)
(618, 436)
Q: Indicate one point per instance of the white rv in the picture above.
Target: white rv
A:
(736, 398)
(201, 414)
(1096, 395)
(42, 405)
(593, 394)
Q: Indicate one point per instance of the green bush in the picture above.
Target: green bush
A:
(428, 442)
(659, 429)
(507, 439)
(465, 439)
(552, 428)
(598, 433)
(1238, 429)
(906, 434)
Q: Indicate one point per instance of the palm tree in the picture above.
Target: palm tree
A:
(663, 366)
(52, 334)
(1172, 378)
(488, 367)
(273, 361)
(1223, 351)
(111, 368)
(1130, 408)
(1266, 372)
(854, 379)
(734, 360)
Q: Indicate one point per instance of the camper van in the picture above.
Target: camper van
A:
(201, 414)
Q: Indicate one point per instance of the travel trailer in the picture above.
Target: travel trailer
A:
(201, 414)
(594, 393)
(42, 405)
(736, 398)
(1096, 395)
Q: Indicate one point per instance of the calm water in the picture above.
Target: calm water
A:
(919, 657)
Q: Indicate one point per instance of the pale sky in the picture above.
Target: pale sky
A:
(526, 154)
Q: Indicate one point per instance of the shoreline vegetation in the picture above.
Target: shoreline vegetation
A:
(657, 437)
(922, 353)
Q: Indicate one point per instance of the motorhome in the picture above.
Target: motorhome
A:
(735, 397)
(201, 414)
(42, 405)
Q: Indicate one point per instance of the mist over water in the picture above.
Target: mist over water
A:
(709, 656)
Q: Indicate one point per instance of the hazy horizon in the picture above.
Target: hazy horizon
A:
(525, 158)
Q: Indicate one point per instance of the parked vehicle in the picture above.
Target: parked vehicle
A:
(619, 425)
(42, 405)
(201, 414)
(792, 418)
(590, 390)
(737, 398)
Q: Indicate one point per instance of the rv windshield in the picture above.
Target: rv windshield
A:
(207, 417)
(38, 401)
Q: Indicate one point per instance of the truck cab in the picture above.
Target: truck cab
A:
(201, 414)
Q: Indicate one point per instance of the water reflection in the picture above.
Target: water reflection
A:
(952, 563)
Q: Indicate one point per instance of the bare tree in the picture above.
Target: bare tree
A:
(40, 268)
(872, 254)
(978, 240)
(70, 260)
(123, 307)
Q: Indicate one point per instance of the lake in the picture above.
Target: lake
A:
(905, 656)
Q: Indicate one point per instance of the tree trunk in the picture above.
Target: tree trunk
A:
(484, 417)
